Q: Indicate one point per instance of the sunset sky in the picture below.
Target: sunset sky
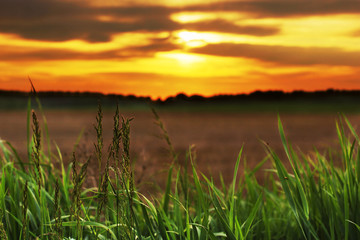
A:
(160, 48)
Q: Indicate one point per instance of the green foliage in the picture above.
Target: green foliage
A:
(312, 199)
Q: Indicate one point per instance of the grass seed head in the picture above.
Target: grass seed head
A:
(99, 135)
(24, 211)
(36, 150)
(58, 221)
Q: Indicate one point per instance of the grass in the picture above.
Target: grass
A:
(313, 199)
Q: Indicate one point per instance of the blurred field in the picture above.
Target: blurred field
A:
(216, 137)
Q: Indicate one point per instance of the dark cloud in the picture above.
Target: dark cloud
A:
(39, 10)
(89, 30)
(219, 25)
(284, 55)
(26, 54)
(58, 21)
(282, 8)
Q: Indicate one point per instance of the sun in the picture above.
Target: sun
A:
(191, 39)
(194, 39)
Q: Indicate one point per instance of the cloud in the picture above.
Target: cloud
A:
(59, 21)
(51, 20)
(55, 20)
(284, 55)
(282, 8)
(29, 54)
(219, 25)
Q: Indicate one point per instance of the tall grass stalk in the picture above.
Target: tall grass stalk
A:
(58, 221)
(99, 137)
(24, 222)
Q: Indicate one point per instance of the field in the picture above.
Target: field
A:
(217, 137)
(265, 190)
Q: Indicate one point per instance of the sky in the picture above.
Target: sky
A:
(160, 48)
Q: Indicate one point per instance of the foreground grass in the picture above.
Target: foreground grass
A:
(311, 200)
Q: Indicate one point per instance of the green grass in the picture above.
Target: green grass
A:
(311, 199)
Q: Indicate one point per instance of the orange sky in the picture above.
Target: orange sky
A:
(159, 48)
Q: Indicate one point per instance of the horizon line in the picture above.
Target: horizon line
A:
(184, 93)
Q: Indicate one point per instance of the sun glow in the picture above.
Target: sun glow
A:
(184, 59)
(191, 39)
(185, 17)
(200, 39)
(189, 36)
(191, 17)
